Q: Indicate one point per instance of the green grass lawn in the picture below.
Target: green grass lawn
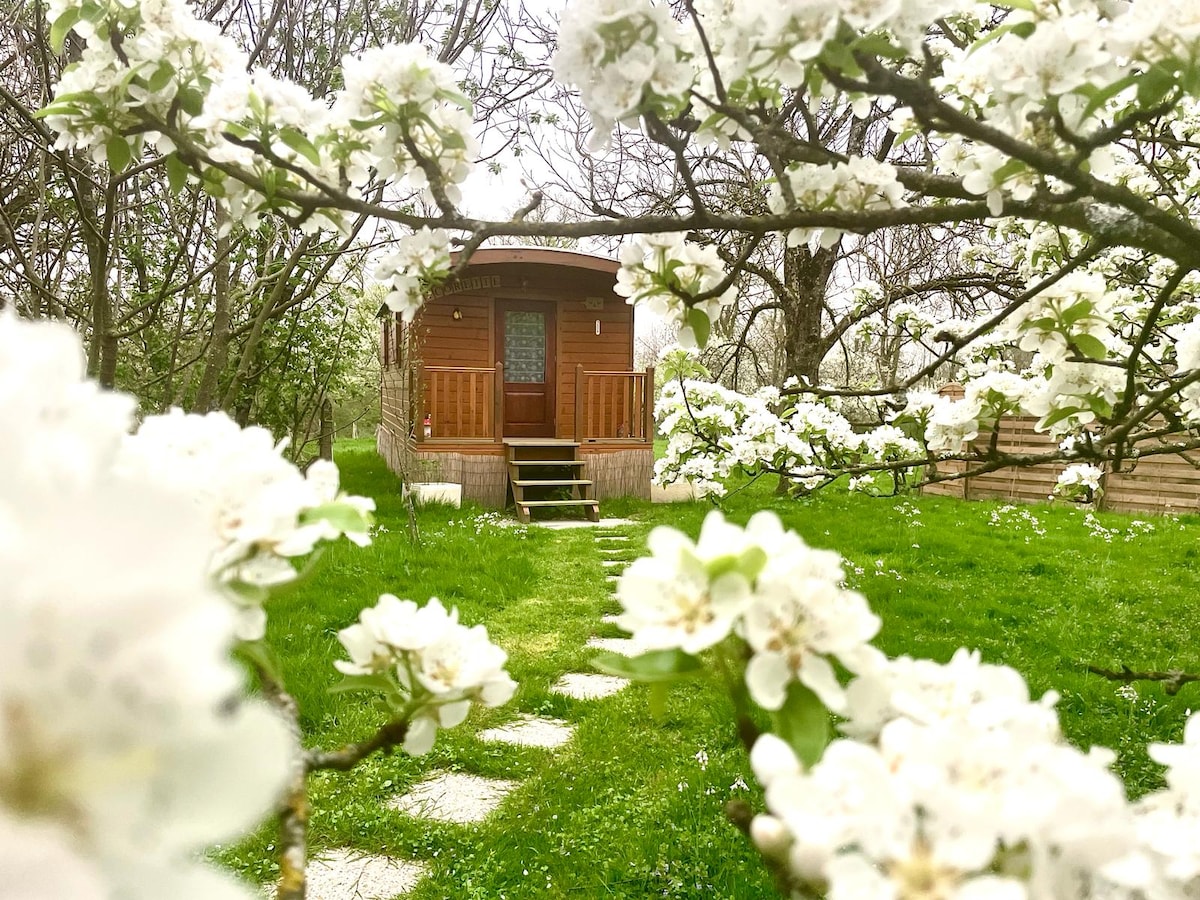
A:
(626, 809)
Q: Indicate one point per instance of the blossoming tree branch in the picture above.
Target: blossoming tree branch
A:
(1070, 126)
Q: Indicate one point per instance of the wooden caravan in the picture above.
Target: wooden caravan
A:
(516, 381)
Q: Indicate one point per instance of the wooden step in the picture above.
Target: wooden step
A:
(519, 482)
(539, 442)
(546, 462)
(543, 503)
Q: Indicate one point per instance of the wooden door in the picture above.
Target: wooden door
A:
(525, 338)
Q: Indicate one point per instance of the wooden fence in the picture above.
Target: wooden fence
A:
(1166, 484)
(614, 406)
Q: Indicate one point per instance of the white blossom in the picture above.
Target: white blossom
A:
(801, 618)
(416, 261)
(974, 793)
(626, 57)
(670, 276)
(857, 185)
(672, 599)
(1079, 480)
(434, 666)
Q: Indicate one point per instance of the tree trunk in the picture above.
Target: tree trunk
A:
(102, 348)
(325, 441)
(270, 304)
(806, 278)
(218, 347)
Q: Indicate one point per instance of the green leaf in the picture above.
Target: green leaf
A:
(92, 12)
(1097, 97)
(749, 564)
(458, 98)
(56, 109)
(840, 57)
(252, 594)
(260, 656)
(62, 26)
(1077, 311)
(371, 683)
(700, 326)
(721, 565)
(1007, 171)
(879, 44)
(341, 516)
(453, 140)
(752, 562)
(1099, 406)
(1020, 29)
(1056, 416)
(652, 666)
(1155, 83)
(301, 144)
(803, 721)
(191, 101)
(116, 148)
(1190, 79)
(660, 691)
(67, 104)
(85, 97)
(162, 77)
(1090, 346)
(177, 173)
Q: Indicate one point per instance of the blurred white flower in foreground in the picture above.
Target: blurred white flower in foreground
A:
(261, 511)
(125, 746)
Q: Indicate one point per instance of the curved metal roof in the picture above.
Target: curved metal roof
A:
(548, 256)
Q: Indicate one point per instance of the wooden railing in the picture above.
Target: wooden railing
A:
(462, 403)
(614, 407)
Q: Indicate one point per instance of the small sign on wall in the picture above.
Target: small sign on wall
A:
(594, 303)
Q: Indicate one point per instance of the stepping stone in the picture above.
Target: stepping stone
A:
(612, 579)
(582, 686)
(531, 731)
(609, 563)
(352, 875)
(561, 524)
(623, 646)
(453, 797)
(612, 537)
(610, 619)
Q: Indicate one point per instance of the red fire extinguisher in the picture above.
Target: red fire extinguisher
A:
(428, 425)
